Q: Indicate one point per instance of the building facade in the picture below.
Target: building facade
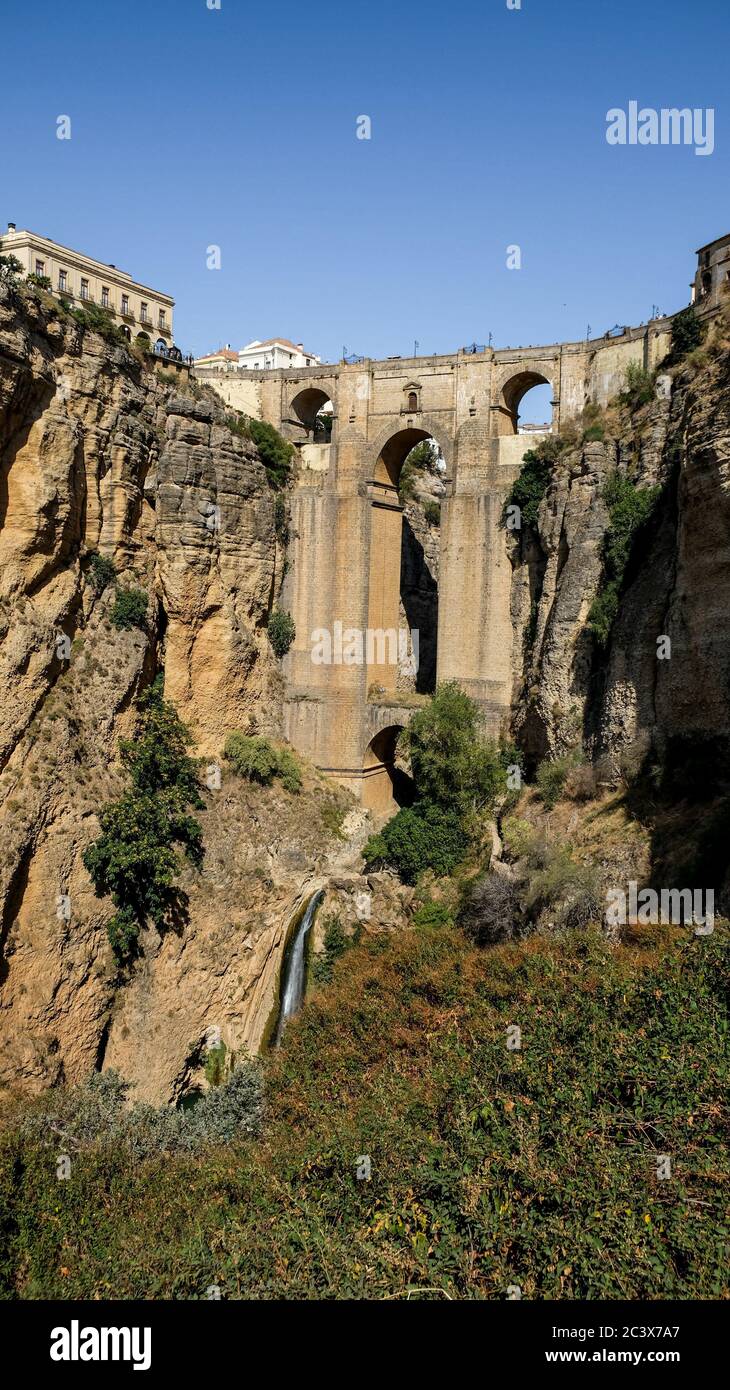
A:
(713, 273)
(276, 353)
(139, 311)
(224, 360)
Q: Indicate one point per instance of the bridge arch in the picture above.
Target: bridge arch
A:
(388, 546)
(306, 407)
(385, 787)
(390, 448)
(512, 393)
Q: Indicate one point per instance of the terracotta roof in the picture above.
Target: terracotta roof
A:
(222, 352)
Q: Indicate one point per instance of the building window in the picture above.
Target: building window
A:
(62, 280)
(84, 289)
(40, 267)
(412, 400)
(125, 303)
(309, 361)
(105, 296)
(144, 316)
(163, 325)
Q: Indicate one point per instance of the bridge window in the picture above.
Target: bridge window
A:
(412, 400)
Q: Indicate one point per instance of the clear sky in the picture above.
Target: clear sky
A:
(194, 127)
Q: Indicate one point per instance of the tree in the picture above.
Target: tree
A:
(134, 860)
(419, 837)
(452, 764)
(10, 270)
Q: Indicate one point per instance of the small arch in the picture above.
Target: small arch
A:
(413, 400)
(313, 409)
(386, 787)
(513, 393)
(142, 337)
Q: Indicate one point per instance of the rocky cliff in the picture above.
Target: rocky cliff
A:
(101, 456)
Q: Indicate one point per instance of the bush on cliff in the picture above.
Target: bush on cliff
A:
(419, 837)
(274, 451)
(134, 860)
(281, 631)
(102, 572)
(629, 509)
(530, 487)
(130, 609)
(256, 758)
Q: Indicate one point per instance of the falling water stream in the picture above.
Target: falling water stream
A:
(294, 968)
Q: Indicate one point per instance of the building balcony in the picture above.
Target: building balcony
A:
(127, 315)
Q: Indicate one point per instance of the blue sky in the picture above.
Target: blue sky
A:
(193, 127)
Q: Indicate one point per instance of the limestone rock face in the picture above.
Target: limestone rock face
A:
(99, 454)
(677, 585)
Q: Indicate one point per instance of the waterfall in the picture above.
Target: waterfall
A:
(294, 968)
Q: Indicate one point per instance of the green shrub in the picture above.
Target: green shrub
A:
(432, 513)
(101, 572)
(39, 282)
(215, 1064)
(281, 519)
(10, 270)
(256, 758)
(134, 860)
(281, 631)
(99, 320)
(551, 777)
(517, 836)
(432, 915)
(289, 772)
(594, 432)
(530, 487)
(638, 386)
(130, 609)
(252, 756)
(568, 890)
(274, 451)
(629, 508)
(419, 837)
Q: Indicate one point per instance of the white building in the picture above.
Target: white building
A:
(275, 352)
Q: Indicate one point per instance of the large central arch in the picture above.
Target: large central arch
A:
(388, 455)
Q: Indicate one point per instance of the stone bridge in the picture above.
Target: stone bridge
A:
(345, 549)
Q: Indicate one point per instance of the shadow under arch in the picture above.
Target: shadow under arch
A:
(385, 787)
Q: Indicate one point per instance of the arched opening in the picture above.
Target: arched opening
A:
(412, 400)
(313, 410)
(403, 579)
(527, 404)
(143, 337)
(386, 786)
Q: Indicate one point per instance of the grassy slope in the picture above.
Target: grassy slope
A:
(489, 1167)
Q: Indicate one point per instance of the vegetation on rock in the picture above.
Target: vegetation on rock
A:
(629, 508)
(281, 632)
(134, 860)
